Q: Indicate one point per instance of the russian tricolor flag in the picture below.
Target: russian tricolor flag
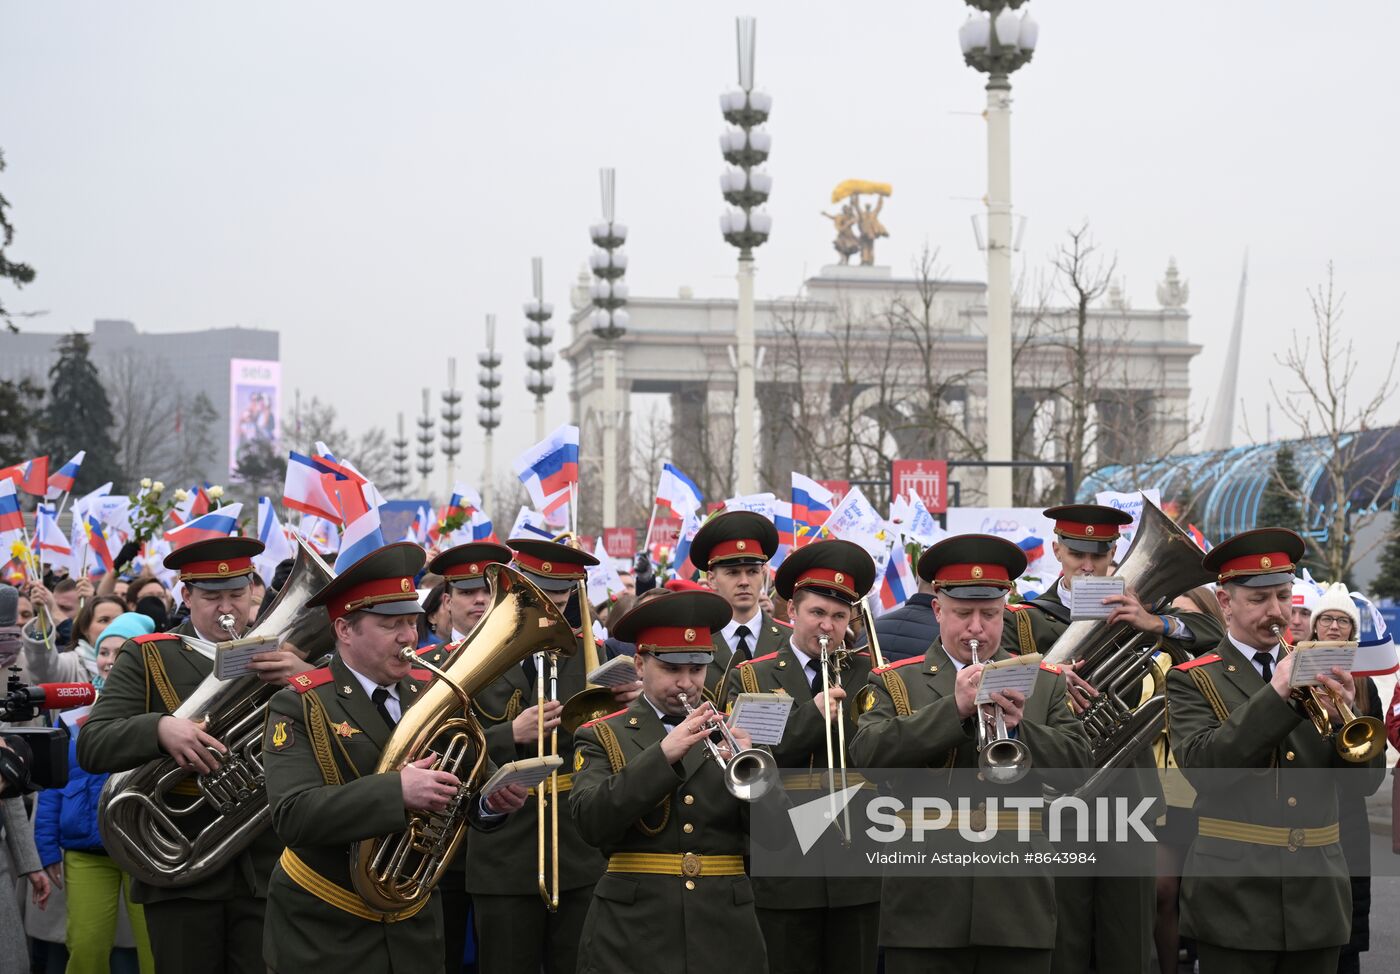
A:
(11, 520)
(1198, 537)
(62, 481)
(216, 524)
(550, 468)
(898, 582)
(305, 491)
(811, 504)
(362, 535)
(482, 528)
(32, 476)
(97, 543)
(782, 520)
(1033, 547)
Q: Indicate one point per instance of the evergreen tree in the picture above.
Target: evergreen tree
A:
(19, 419)
(260, 469)
(78, 415)
(1386, 584)
(20, 273)
(1279, 507)
(194, 439)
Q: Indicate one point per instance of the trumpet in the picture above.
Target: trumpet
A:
(1000, 757)
(749, 773)
(1359, 739)
(835, 749)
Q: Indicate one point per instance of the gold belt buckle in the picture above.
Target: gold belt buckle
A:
(1295, 839)
(690, 865)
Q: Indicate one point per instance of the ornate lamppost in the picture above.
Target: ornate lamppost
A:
(609, 323)
(996, 42)
(488, 416)
(538, 335)
(425, 440)
(451, 416)
(745, 187)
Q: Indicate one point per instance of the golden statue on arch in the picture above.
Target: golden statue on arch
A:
(858, 227)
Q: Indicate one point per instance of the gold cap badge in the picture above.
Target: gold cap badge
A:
(223, 568)
(690, 635)
(977, 571)
(1265, 561)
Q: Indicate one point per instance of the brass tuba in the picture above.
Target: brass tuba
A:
(395, 872)
(170, 827)
(1162, 563)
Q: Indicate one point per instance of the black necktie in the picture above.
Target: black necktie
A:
(814, 674)
(379, 696)
(528, 665)
(741, 651)
(672, 720)
(1266, 663)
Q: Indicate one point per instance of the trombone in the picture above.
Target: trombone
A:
(831, 664)
(547, 666)
(1001, 758)
(1359, 739)
(748, 773)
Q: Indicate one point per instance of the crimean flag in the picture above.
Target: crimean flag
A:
(32, 476)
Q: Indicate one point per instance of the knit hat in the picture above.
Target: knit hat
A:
(1337, 599)
(128, 625)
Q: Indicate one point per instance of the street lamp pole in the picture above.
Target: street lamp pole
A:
(746, 187)
(538, 335)
(997, 42)
(488, 416)
(609, 323)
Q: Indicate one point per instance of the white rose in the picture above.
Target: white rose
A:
(216, 492)
(181, 496)
(145, 481)
(157, 487)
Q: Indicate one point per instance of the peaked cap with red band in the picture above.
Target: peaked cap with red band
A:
(837, 569)
(677, 628)
(973, 566)
(1258, 558)
(218, 563)
(1088, 528)
(552, 565)
(464, 566)
(381, 582)
(734, 538)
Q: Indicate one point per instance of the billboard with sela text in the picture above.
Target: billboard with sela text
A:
(255, 400)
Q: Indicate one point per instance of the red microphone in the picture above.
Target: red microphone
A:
(62, 696)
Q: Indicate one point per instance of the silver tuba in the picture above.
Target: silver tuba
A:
(1162, 563)
(170, 827)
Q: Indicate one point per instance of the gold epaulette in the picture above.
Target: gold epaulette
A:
(313, 714)
(155, 671)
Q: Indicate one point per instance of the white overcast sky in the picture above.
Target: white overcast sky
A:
(370, 179)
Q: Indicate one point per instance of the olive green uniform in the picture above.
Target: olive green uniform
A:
(1106, 920)
(322, 743)
(215, 924)
(771, 636)
(452, 890)
(960, 921)
(811, 924)
(514, 929)
(693, 911)
(1289, 906)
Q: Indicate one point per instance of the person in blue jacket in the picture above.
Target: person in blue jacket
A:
(70, 847)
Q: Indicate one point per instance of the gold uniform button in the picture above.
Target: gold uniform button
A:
(690, 884)
(1290, 755)
(687, 828)
(689, 799)
(1292, 801)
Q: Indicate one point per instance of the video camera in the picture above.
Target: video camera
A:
(36, 757)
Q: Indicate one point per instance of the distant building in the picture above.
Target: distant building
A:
(193, 360)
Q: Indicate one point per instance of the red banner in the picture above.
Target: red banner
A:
(839, 488)
(926, 478)
(620, 542)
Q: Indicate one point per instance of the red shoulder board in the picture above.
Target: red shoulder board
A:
(422, 676)
(433, 648)
(1015, 606)
(151, 637)
(596, 720)
(779, 622)
(1050, 667)
(757, 659)
(896, 665)
(311, 678)
(1207, 658)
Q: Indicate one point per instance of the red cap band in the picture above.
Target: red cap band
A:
(674, 639)
(1267, 563)
(550, 569)
(372, 592)
(827, 578)
(972, 573)
(737, 548)
(1087, 532)
(227, 568)
(469, 569)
